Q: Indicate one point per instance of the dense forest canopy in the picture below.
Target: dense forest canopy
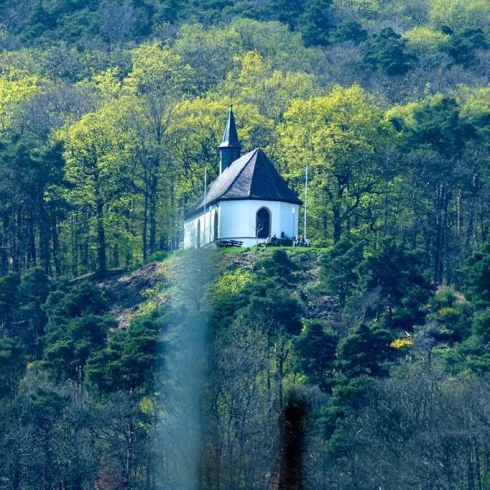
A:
(120, 106)
(126, 363)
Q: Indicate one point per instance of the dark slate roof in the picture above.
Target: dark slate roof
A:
(250, 177)
(230, 138)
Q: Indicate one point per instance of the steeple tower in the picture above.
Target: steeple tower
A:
(230, 149)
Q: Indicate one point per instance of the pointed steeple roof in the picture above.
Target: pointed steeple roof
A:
(250, 177)
(230, 138)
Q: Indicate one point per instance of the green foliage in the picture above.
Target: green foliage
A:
(77, 328)
(387, 52)
(32, 186)
(70, 345)
(279, 267)
(13, 362)
(349, 31)
(83, 299)
(339, 268)
(366, 351)
(438, 126)
(424, 40)
(481, 326)
(315, 349)
(233, 282)
(272, 309)
(348, 399)
(109, 113)
(339, 136)
(396, 276)
(477, 277)
(286, 11)
(34, 289)
(445, 298)
(132, 359)
(9, 290)
(316, 22)
(450, 324)
(462, 45)
(460, 14)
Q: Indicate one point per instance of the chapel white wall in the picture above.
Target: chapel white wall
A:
(207, 228)
(237, 220)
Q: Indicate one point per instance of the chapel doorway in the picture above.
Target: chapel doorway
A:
(263, 223)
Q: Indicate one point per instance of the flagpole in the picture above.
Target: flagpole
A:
(306, 199)
(204, 203)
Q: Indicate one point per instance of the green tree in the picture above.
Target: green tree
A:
(84, 298)
(78, 325)
(158, 79)
(34, 290)
(438, 125)
(460, 14)
(13, 361)
(340, 268)
(9, 301)
(365, 351)
(386, 52)
(349, 31)
(69, 346)
(439, 145)
(286, 11)
(476, 278)
(316, 22)
(340, 137)
(396, 275)
(96, 167)
(272, 310)
(32, 183)
(463, 45)
(132, 360)
(315, 349)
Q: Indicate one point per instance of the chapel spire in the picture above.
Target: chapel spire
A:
(230, 148)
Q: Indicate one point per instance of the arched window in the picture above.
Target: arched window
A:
(216, 224)
(199, 234)
(263, 223)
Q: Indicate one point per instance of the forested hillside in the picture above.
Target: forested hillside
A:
(129, 364)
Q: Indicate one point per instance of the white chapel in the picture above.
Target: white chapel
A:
(248, 202)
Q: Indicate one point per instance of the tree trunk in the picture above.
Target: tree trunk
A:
(31, 246)
(145, 226)
(101, 239)
(44, 228)
(153, 214)
(4, 263)
(56, 246)
(337, 225)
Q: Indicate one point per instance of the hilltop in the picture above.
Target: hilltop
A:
(362, 362)
(131, 293)
(347, 333)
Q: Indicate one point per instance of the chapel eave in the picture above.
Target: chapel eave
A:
(192, 213)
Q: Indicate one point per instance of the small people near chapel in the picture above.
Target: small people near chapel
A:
(301, 241)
